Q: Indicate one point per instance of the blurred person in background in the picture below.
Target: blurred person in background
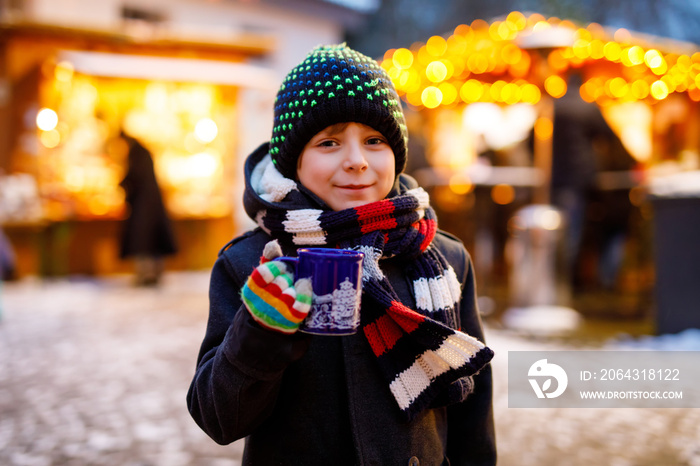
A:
(576, 123)
(584, 146)
(147, 233)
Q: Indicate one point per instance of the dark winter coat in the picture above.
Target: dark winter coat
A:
(319, 400)
(147, 230)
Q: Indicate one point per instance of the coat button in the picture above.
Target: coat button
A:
(414, 461)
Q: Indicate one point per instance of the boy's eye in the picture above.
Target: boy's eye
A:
(327, 143)
(376, 140)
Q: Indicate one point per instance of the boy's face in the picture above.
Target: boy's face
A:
(347, 165)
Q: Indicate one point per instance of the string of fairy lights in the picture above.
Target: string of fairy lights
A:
(486, 62)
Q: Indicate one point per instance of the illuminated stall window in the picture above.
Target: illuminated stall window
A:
(81, 158)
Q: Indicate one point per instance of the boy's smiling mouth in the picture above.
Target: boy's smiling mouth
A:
(355, 187)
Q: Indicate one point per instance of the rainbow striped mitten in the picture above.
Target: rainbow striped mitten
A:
(274, 300)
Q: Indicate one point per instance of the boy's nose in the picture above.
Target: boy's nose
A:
(355, 158)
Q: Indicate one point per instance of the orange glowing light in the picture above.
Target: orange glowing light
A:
(394, 73)
(517, 19)
(511, 93)
(694, 94)
(477, 63)
(659, 90)
(460, 183)
(436, 46)
(639, 89)
(402, 59)
(50, 139)
(671, 85)
(456, 44)
(617, 87)
(64, 71)
(506, 31)
(531, 94)
(463, 30)
(511, 54)
(555, 86)
(431, 97)
(388, 65)
(541, 26)
(522, 67)
(436, 71)
(633, 56)
(684, 63)
(582, 49)
(612, 51)
(653, 58)
(495, 91)
(414, 98)
(597, 49)
(503, 194)
(449, 93)
(471, 91)
(557, 61)
(544, 128)
(581, 33)
(586, 94)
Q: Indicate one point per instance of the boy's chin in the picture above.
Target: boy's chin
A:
(351, 204)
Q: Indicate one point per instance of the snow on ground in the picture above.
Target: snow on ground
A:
(95, 372)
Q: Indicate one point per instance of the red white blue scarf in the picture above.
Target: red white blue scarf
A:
(425, 359)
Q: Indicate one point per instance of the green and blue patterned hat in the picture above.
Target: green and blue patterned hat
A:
(334, 84)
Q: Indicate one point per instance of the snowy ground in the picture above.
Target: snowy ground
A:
(95, 372)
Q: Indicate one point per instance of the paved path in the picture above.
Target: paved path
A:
(95, 372)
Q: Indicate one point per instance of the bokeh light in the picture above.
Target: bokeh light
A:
(486, 62)
(544, 128)
(502, 194)
(46, 119)
(64, 71)
(50, 139)
(436, 46)
(659, 90)
(206, 130)
(403, 59)
(431, 97)
(555, 86)
(460, 183)
(436, 71)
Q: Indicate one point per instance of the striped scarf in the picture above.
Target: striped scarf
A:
(426, 362)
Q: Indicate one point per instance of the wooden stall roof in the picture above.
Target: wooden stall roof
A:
(157, 41)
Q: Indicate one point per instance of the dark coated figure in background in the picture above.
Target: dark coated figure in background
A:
(147, 232)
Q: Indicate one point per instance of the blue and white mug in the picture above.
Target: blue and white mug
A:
(336, 279)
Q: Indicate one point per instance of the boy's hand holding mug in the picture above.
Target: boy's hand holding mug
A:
(272, 297)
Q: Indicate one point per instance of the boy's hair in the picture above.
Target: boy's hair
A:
(334, 84)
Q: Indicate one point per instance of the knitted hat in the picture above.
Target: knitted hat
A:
(334, 84)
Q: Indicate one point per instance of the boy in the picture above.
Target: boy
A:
(413, 386)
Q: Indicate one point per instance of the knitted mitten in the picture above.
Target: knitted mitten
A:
(272, 297)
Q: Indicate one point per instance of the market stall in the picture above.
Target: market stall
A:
(486, 99)
(73, 93)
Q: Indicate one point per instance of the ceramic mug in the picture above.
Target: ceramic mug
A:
(336, 279)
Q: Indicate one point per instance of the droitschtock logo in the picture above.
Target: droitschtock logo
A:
(542, 369)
